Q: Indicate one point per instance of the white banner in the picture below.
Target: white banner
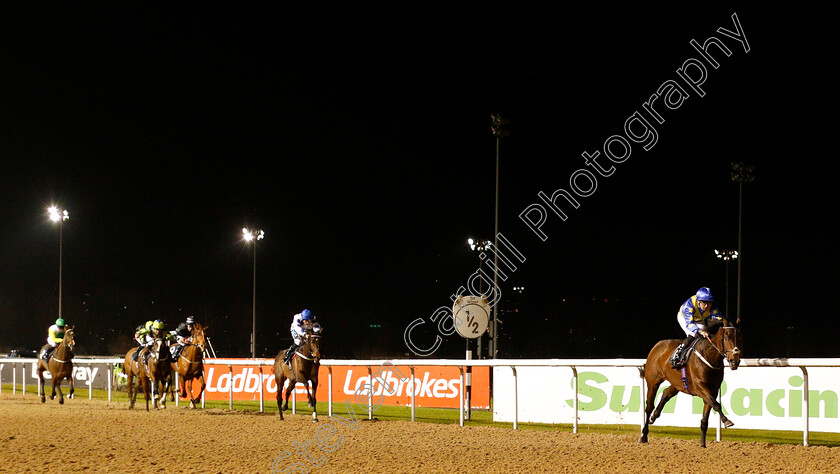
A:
(752, 397)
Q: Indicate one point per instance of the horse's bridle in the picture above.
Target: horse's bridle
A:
(735, 350)
(313, 336)
(157, 353)
(70, 346)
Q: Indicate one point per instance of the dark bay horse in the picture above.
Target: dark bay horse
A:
(304, 369)
(190, 365)
(136, 370)
(159, 371)
(703, 373)
(60, 367)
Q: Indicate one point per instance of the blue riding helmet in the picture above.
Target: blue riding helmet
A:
(705, 294)
(306, 315)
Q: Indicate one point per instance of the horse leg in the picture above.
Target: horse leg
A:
(192, 400)
(710, 399)
(129, 378)
(72, 386)
(182, 387)
(154, 391)
(289, 393)
(314, 401)
(164, 390)
(41, 388)
(667, 395)
(279, 381)
(653, 386)
(200, 387)
(57, 386)
(309, 397)
(145, 383)
(704, 424)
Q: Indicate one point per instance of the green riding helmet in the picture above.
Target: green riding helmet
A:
(59, 322)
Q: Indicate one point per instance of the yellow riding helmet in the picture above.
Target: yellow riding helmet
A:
(149, 325)
(157, 324)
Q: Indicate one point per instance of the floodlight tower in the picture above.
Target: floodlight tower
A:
(59, 215)
(253, 236)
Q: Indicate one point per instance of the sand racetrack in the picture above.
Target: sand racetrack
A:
(98, 436)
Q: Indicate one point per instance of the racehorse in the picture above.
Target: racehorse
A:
(60, 366)
(702, 375)
(136, 369)
(190, 366)
(304, 369)
(159, 370)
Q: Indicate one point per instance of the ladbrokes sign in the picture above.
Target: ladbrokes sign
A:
(431, 386)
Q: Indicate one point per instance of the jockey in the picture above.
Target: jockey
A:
(302, 323)
(55, 334)
(140, 335)
(183, 335)
(691, 317)
(157, 332)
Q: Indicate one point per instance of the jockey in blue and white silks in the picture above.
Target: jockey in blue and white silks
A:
(691, 317)
(302, 323)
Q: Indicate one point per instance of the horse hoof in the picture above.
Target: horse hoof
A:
(728, 424)
(43, 399)
(643, 439)
(61, 401)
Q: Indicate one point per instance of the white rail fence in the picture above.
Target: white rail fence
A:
(574, 364)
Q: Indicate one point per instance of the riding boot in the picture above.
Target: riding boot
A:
(290, 353)
(678, 359)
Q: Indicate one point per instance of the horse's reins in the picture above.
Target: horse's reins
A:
(53, 357)
(181, 355)
(303, 356)
(307, 358)
(723, 353)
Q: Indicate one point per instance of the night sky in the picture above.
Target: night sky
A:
(360, 142)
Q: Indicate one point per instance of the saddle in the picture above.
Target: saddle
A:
(680, 357)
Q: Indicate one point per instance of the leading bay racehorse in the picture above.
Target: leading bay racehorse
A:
(703, 373)
(60, 367)
(304, 369)
(190, 365)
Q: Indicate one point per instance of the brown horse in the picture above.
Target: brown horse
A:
(136, 370)
(190, 366)
(304, 369)
(60, 366)
(703, 373)
(159, 371)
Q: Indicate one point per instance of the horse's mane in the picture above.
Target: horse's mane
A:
(713, 327)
